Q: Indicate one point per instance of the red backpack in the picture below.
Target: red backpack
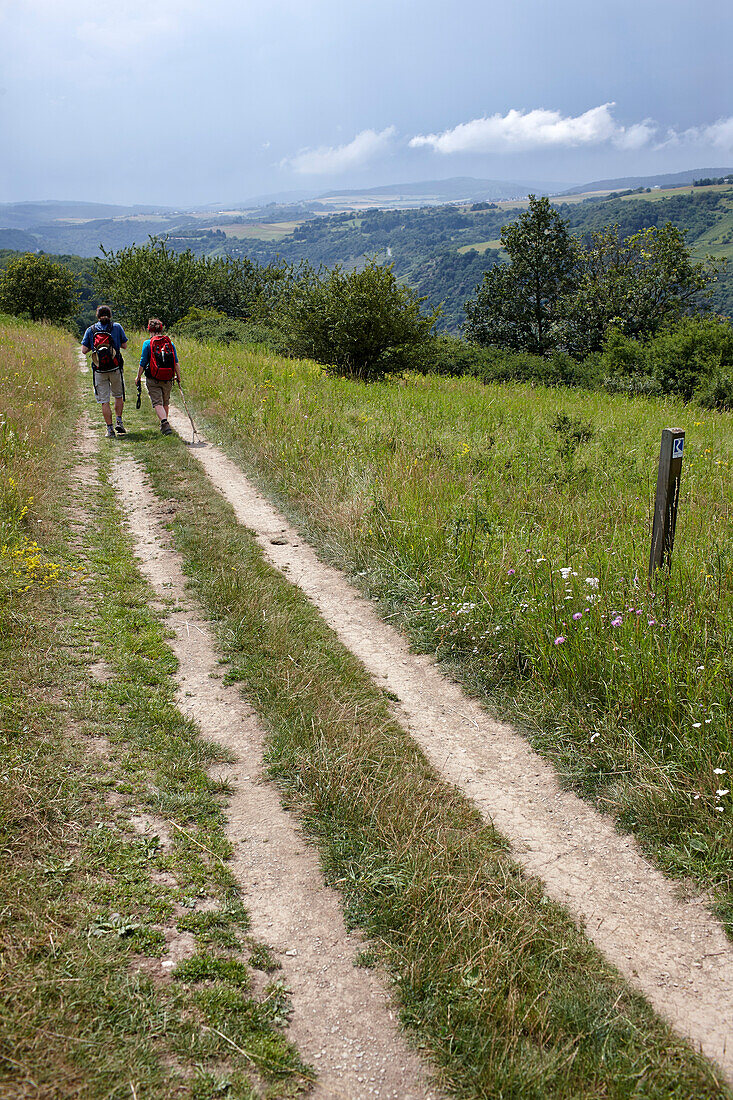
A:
(162, 358)
(103, 346)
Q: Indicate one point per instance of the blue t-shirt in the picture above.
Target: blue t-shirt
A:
(145, 355)
(117, 331)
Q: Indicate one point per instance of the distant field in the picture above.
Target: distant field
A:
(480, 246)
(260, 231)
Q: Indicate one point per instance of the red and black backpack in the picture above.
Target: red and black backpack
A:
(103, 346)
(162, 358)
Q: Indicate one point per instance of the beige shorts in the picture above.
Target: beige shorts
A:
(160, 392)
(108, 384)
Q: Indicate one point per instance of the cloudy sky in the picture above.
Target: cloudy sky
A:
(186, 102)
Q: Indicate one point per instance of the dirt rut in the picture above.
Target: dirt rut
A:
(672, 950)
(343, 1022)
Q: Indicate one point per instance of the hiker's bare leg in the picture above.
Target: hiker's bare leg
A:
(107, 412)
(119, 406)
(161, 412)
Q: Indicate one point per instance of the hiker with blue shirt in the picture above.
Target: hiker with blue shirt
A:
(159, 363)
(105, 341)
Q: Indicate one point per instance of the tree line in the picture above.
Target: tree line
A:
(563, 308)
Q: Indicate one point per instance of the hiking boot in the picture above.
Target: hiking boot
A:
(110, 432)
(165, 428)
(120, 428)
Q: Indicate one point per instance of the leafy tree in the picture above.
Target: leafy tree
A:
(155, 280)
(35, 285)
(516, 305)
(151, 280)
(362, 323)
(241, 288)
(637, 285)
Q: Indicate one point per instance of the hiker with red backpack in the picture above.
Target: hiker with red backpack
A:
(159, 363)
(105, 341)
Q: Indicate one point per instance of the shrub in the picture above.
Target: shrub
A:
(717, 392)
(687, 357)
(445, 354)
(217, 328)
(36, 287)
(363, 324)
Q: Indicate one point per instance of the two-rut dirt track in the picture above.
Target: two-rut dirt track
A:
(672, 950)
(343, 1021)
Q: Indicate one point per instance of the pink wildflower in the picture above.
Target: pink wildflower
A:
(578, 615)
(617, 621)
(560, 640)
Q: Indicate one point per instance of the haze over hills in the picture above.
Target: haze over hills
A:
(455, 189)
(670, 179)
(24, 215)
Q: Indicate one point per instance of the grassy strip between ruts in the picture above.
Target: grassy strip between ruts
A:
(111, 831)
(494, 980)
(507, 529)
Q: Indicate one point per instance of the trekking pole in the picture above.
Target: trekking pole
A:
(193, 426)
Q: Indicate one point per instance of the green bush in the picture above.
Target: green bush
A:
(363, 324)
(687, 357)
(445, 354)
(717, 392)
(214, 327)
(35, 287)
(693, 356)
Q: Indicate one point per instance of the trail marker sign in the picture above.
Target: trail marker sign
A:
(667, 499)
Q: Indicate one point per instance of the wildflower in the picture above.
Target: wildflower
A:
(696, 725)
(722, 791)
(719, 771)
(652, 622)
(592, 582)
(699, 668)
(593, 737)
(540, 560)
(577, 615)
(565, 572)
(617, 621)
(511, 573)
(560, 640)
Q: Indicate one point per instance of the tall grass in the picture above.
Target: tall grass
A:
(37, 395)
(520, 554)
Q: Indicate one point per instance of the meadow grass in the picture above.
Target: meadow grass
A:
(494, 980)
(86, 899)
(520, 555)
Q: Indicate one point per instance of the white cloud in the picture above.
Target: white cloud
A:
(717, 134)
(636, 136)
(518, 131)
(340, 158)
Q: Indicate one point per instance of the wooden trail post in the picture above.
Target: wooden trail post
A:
(668, 493)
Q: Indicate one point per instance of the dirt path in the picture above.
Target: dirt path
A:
(343, 1022)
(672, 950)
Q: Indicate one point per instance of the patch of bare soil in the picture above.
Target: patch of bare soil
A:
(672, 950)
(343, 1021)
